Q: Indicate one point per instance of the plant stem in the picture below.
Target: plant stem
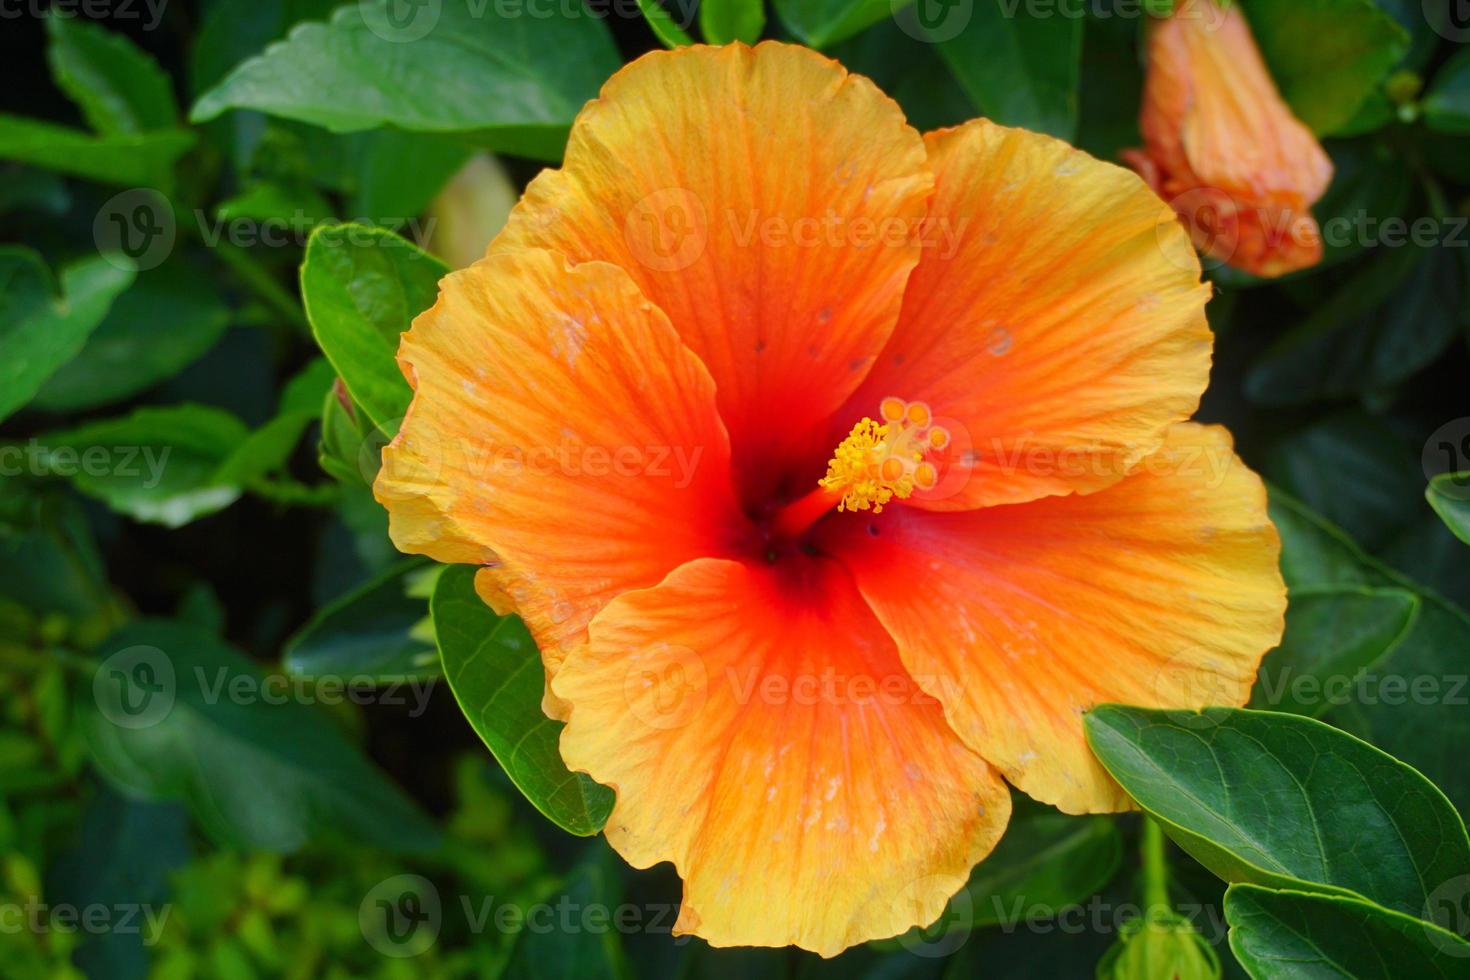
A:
(1155, 867)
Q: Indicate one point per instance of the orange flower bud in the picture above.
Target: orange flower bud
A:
(1223, 148)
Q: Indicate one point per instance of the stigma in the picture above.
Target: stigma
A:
(886, 459)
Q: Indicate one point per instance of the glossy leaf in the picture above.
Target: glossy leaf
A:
(1326, 56)
(1290, 935)
(452, 67)
(371, 631)
(162, 323)
(1413, 703)
(1285, 801)
(495, 671)
(256, 770)
(39, 332)
(1331, 635)
(723, 21)
(664, 24)
(1449, 495)
(118, 87)
(362, 287)
(820, 23)
(1447, 104)
(158, 465)
(1018, 68)
(126, 159)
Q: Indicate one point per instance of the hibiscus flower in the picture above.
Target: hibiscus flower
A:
(836, 471)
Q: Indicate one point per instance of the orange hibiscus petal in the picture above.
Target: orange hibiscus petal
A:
(561, 434)
(1055, 324)
(762, 734)
(1161, 591)
(763, 198)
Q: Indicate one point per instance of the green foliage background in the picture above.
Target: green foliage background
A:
(217, 218)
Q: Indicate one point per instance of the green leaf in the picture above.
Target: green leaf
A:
(909, 70)
(495, 672)
(723, 21)
(1285, 801)
(820, 23)
(1449, 495)
(570, 948)
(664, 25)
(1355, 471)
(165, 321)
(1331, 635)
(362, 287)
(370, 631)
(49, 562)
(1380, 329)
(175, 713)
(39, 332)
(1447, 105)
(1327, 56)
(1370, 190)
(268, 447)
(158, 465)
(118, 87)
(1411, 704)
(453, 67)
(1290, 935)
(1018, 68)
(126, 159)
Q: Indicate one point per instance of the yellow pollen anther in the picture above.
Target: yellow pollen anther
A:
(879, 461)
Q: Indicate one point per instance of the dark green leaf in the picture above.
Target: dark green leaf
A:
(575, 946)
(1449, 495)
(40, 332)
(130, 160)
(1447, 105)
(1413, 703)
(452, 67)
(723, 21)
(49, 561)
(1331, 635)
(1285, 801)
(372, 631)
(819, 23)
(118, 87)
(362, 287)
(909, 70)
(1326, 56)
(268, 447)
(664, 24)
(495, 672)
(1353, 470)
(1019, 69)
(1380, 329)
(164, 322)
(174, 713)
(159, 465)
(1290, 935)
